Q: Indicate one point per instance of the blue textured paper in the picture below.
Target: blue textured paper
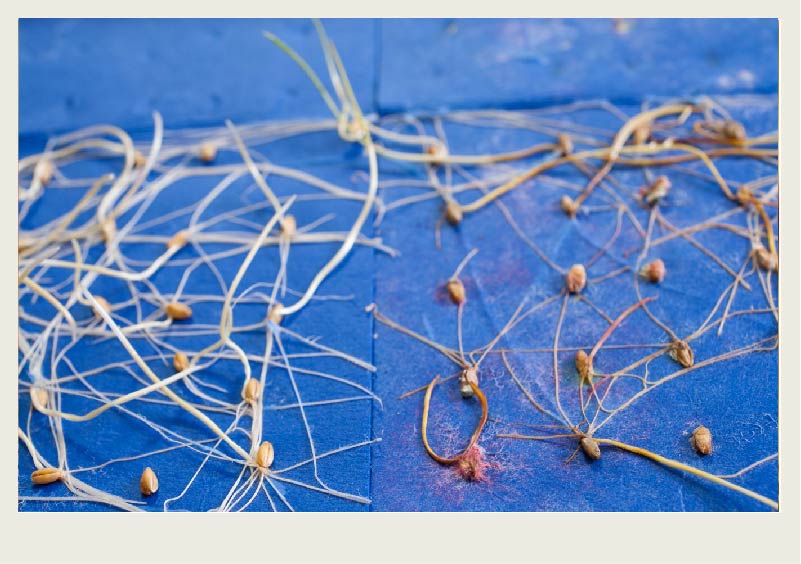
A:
(199, 72)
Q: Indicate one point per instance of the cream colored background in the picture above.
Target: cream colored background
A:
(371, 537)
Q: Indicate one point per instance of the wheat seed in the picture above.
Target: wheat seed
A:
(568, 205)
(207, 152)
(453, 213)
(43, 171)
(109, 230)
(139, 159)
(289, 226)
(654, 193)
(39, 398)
(148, 483)
(590, 448)
(104, 305)
(733, 130)
(456, 291)
(265, 455)
(44, 476)
(178, 311)
(654, 271)
(766, 259)
(180, 362)
(469, 374)
(702, 440)
(275, 314)
(179, 239)
(584, 366)
(576, 278)
(252, 391)
(681, 352)
(565, 144)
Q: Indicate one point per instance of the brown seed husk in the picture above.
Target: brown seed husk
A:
(435, 151)
(180, 362)
(453, 213)
(148, 483)
(468, 375)
(733, 130)
(265, 455)
(44, 476)
(590, 448)
(178, 311)
(584, 366)
(576, 278)
(568, 205)
(456, 291)
(766, 259)
(744, 196)
(565, 144)
(682, 353)
(654, 271)
(702, 440)
(657, 190)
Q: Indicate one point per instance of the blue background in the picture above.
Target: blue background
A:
(199, 72)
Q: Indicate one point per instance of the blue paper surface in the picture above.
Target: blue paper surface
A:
(199, 72)
(465, 63)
